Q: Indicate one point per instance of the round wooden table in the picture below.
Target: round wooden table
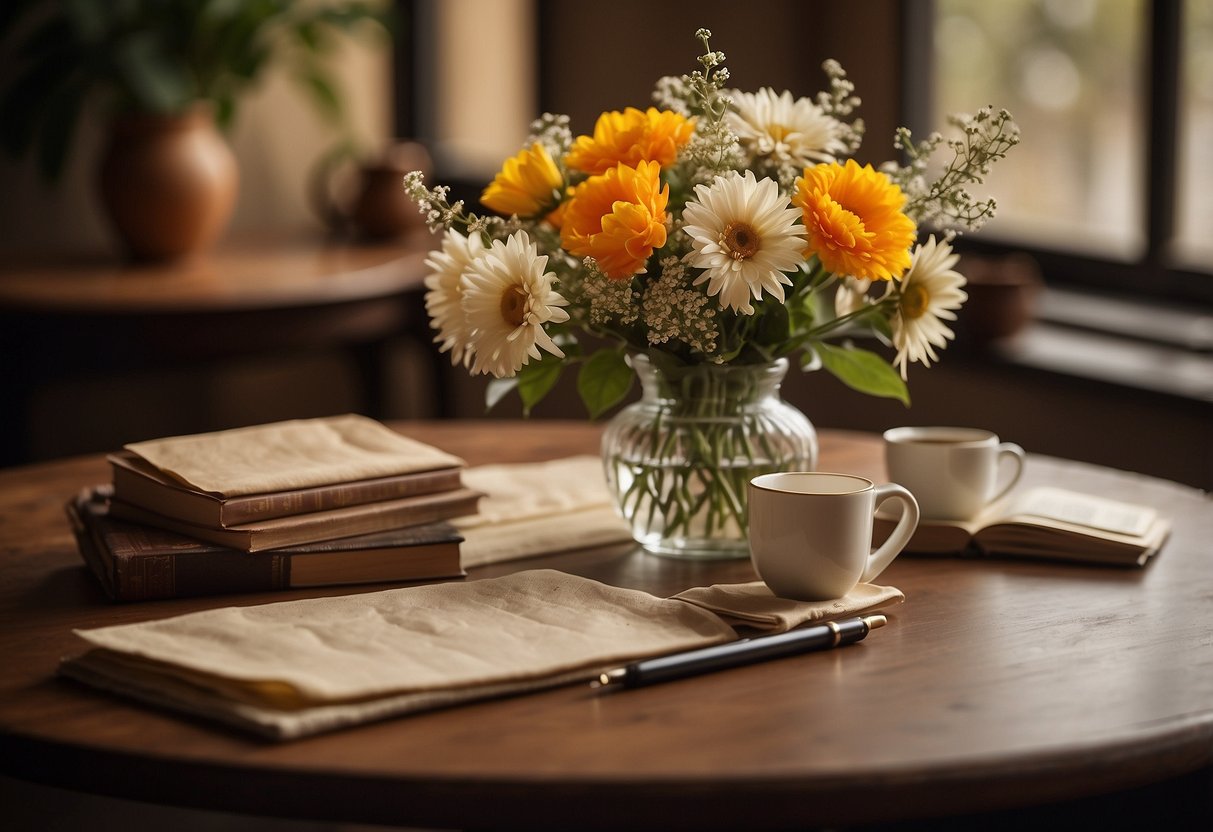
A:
(998, 684)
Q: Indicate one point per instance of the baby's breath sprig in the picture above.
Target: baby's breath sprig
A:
(440, 214)
(612, 302)
(840, 102)
(672, 93)
(552, 131)
(673, 311)
(985, 137)
(713, 149)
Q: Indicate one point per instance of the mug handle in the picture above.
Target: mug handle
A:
(1009, 450)
(891, 548)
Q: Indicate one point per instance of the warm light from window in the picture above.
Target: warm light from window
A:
(1194, 238)
(484, 98)
(1069, 71)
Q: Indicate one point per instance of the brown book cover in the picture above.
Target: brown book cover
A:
(313, 527)
(141, 563)
(139, 483)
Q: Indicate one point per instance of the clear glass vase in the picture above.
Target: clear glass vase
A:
(678, 462)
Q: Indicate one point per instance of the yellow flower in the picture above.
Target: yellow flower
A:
(617, 218)
(854, 221)
(526, 184)
(630, 137)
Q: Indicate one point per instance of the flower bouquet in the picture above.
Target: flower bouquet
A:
(703, 244)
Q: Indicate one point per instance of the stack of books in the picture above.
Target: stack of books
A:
(166, 527)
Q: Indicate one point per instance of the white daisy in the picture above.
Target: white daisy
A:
(851, 295)
(444, 300)
(927, 295)
(744, 236)
(507, 298)
(783, 129)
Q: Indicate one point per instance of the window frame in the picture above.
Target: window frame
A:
(1153, 276)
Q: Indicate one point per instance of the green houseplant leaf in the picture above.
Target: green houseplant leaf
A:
(156, 56)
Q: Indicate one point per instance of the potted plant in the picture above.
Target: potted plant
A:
(167, 75)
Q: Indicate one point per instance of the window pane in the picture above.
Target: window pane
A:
(484, 97)
(1069, 71)
(1195, 226)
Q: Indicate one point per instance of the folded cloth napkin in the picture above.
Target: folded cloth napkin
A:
(295, 454)
(537, 508)
(296, 668)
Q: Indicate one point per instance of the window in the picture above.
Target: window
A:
(1112, 187)
(1113, 183)
(1194, 237)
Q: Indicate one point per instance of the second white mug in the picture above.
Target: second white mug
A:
(952, 472)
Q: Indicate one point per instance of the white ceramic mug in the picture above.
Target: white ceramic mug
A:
(811, 532)
(953, 472)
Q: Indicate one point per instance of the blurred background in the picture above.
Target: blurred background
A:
(1089, 332)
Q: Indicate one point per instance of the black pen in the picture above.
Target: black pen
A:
(736, 653)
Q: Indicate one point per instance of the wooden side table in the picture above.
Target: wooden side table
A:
(63, 319)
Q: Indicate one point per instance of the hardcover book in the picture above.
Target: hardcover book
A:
(284, 456)
(315, 526)
(1050, 523)
(141, 563)
(139, 483)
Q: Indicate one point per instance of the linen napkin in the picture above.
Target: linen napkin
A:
(537, 508)
(299, 453)
(296, 668)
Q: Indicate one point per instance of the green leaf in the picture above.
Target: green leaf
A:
(157, 83)
(664, 361)
(604, 380)
(323, 93)
(23, 105)
(863, 370)
(58, 128)
(773, 324)
(536, 380)
(881, 326)
(225, 112)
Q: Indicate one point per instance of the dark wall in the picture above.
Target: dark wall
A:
(598, 57)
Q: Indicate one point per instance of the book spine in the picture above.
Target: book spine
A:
(238, 510)
(313, 527)
(309, 530)
(188, 574)
(90, 549)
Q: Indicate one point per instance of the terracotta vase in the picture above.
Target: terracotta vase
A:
(168, 183)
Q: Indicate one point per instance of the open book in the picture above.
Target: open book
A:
(1050, 523)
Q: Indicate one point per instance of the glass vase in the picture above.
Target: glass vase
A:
(679, 461)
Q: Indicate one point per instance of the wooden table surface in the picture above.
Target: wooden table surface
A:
(997, 684)
(273, 271)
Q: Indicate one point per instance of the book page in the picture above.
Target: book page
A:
(1086, 510)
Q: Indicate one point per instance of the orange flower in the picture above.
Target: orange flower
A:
(854, 221)
(617, 218)
(525, 185)
(630, 137)
(555, 217)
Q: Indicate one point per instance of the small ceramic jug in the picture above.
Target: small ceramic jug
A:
(366, 197)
